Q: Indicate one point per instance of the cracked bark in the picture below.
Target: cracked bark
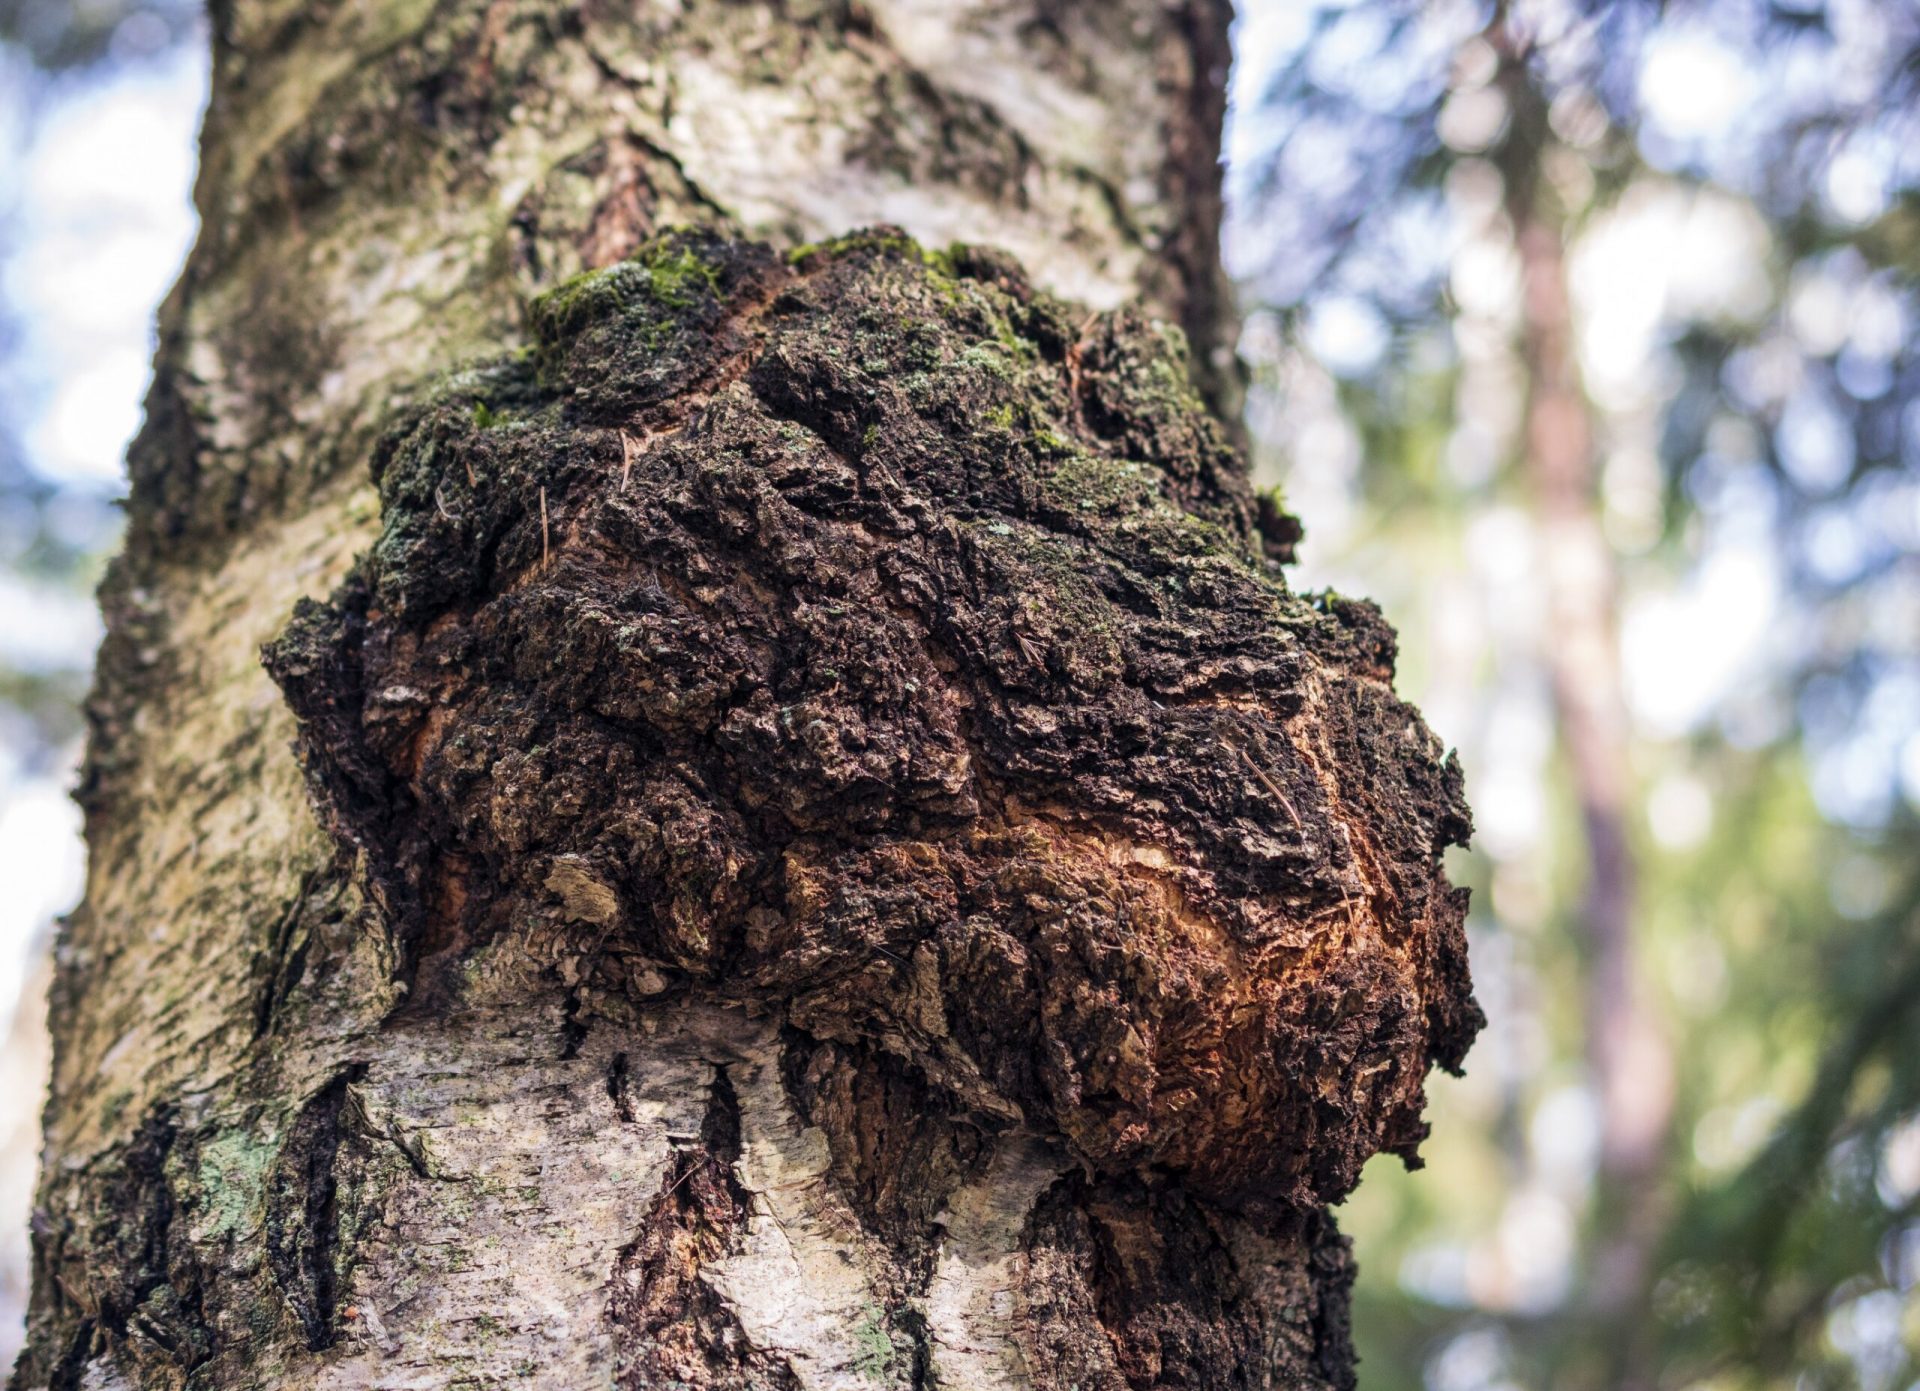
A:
(821, 850)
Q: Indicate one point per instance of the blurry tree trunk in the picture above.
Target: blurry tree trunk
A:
(313, 1122)
(1632, 1070)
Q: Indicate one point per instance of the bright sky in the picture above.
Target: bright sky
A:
(103, 221)
(99, 219)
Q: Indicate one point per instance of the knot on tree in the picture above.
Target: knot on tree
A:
(870, 636)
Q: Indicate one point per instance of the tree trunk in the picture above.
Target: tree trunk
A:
(1628, 1056)
(821, 851)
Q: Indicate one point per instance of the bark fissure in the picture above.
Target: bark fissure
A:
(671, 1327)
(303, 1220)
(617, 1090)
(137, 1264)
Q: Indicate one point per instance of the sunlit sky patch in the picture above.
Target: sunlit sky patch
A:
(101, 223)
(1692, 86)
(95, 174)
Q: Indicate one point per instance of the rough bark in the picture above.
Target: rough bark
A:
(822, 852)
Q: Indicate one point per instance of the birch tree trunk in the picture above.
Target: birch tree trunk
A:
(792, 835)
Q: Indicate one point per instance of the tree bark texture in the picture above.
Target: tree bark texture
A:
(793, 834)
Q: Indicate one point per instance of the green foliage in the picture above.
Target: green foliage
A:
(1773, 838)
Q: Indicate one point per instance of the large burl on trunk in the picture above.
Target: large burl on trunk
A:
(872, 652)
(823, 852)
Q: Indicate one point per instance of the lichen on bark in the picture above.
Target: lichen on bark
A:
(872, 640)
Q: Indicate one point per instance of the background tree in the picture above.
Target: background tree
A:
(1676, 233)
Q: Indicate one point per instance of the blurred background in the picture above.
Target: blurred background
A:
(1583, 338)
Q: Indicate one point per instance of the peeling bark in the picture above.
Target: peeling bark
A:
(823, 852)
